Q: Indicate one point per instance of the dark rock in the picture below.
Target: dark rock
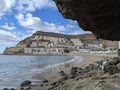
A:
(26, 83)
(116, 58)
(5, 88)
(87, 69)
(45, 81)
(74, 71)
(41, 85)
(100, 16)
(92, 67)
(52, 88)
(65, 77)
(97, 68)
(46, 84)
(12, 89)
(53, 83)
(111, 69)
(21, 88)
(25, 88)
(57, 83)
(115, 61)
(81, 71)
(62, 73)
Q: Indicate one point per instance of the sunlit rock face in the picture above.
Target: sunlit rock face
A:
(102, 17)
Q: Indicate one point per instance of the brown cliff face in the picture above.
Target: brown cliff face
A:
(24, 43)
(101, 17)
(14, 50)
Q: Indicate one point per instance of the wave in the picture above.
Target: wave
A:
(75, 59)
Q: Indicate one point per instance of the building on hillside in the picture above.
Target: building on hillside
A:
(95, 46)
(41, 43)
(55, 51)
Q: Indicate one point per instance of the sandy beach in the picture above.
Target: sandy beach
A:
(52, 75)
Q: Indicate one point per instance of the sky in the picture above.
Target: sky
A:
(21, 18)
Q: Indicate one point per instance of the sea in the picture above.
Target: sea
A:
(14, 69)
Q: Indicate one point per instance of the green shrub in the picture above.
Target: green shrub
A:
(66, 51)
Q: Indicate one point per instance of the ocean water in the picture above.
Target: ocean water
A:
(14, 69)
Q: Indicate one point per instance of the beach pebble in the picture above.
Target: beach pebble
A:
(62, 73)
(65, 77)
(25, 88)
(57, 83)
(92, 67)
(41, 85)
(50, 88)
(5, 88)
(53, 83)
(26, 83)
(12, 89)
(80, 71)
(74, 71)
(45, 81)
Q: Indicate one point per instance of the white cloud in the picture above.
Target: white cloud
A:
(70, 26)
(8, 38)
(24, 5)
(77, 32)
(7, 27)
(5, 6)
(32, 5)
(35, 23)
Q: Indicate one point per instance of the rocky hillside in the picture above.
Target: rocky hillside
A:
(85, 39)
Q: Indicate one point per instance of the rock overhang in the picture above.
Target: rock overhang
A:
(101, 17)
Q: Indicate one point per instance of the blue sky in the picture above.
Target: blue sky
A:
(21, 18)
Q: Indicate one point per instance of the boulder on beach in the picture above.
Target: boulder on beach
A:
(45, 81)
(25, 83)
(115, 61)
(8, 89)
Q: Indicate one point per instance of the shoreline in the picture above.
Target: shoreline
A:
(52, 73)
(66, 54)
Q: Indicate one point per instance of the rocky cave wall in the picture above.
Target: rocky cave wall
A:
(101, 17)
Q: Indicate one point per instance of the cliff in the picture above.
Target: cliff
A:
(68, 40)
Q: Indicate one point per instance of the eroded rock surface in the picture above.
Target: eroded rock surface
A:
(102, 17)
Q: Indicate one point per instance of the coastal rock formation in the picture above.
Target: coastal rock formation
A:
(58, 41)
(98, 16)
(14, 50)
